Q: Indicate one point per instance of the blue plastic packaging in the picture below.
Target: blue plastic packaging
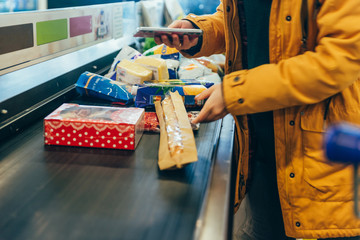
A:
(93, 85)
(147, 95)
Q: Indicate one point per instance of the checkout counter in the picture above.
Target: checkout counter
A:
(59, 192)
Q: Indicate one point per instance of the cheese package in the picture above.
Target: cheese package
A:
(133, 73)
(177, 142)
(94, 126)
(156, 65)
(127, 53)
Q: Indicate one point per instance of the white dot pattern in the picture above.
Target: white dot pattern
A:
(87, 136)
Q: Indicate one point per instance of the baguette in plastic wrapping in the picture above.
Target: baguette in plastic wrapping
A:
(177, 143)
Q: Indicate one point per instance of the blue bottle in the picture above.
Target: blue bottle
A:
(342, 143)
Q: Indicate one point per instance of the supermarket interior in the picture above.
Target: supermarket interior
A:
(80, 149)
(237, 122)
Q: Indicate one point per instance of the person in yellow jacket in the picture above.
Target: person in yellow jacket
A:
(292, 69)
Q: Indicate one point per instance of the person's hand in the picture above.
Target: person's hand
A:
(214, 108)
(174, 40)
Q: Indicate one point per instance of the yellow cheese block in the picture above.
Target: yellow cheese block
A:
(156, 65)
(133, 73)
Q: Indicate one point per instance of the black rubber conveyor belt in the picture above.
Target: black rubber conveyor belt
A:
(58, 193)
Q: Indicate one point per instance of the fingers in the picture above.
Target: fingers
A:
(158, 40)
(204, 94)
(174, 40)
(165, 40)
(209, 114)
(201, 117)
(188, 43)
(214, 108)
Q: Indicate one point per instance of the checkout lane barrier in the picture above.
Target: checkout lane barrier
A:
(342, 144)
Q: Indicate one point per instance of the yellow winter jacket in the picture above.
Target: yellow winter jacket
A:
(307, 91)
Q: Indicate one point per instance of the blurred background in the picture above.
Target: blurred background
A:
(188, 6)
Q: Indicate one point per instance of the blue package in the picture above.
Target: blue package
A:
(147, 95)
(94, 85)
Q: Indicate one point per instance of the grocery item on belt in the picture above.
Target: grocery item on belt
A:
(210, 78)
(133, 73)
(127, 53)
(148, 94)
(177, 143)
(192, 115)
(156, 65)
(94, 126)
(192, 69)
(171, 56)
(94, 85)
(207, 62)
(152, 123)
(174, 138)
(163, 51)
(172, 66)
(174, 82)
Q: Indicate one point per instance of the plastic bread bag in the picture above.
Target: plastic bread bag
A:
(177, 142)
(93, 85)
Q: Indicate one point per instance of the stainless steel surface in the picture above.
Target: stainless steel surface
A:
(215, 221)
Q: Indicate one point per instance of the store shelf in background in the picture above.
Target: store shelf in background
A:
(199, 7)
(18, 5)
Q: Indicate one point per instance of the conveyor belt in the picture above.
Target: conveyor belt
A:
(57, 192)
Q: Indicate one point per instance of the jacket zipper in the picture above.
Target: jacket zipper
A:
(233, 32)
(304, 25)
(326, 112)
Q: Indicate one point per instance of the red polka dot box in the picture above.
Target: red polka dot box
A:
(94, 126)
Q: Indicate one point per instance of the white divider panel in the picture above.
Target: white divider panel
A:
(27, 38)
